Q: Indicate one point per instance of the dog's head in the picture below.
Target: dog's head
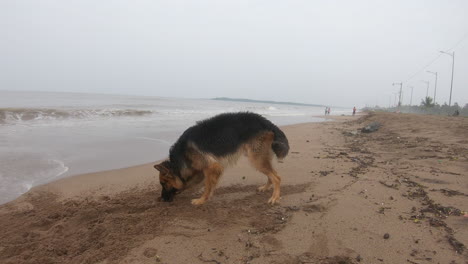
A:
(171, 184)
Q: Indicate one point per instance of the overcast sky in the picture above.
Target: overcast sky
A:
(340, 53)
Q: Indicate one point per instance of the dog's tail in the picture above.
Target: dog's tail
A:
(280, 143)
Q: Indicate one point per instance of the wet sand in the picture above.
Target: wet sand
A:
(397, 195)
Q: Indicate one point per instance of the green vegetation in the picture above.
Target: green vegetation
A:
(428, 107)
(427, 102)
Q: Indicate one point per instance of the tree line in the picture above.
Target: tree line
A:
(427, 106)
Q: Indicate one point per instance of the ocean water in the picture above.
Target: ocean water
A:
(45, 136)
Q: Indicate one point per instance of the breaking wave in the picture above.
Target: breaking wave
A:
(15, 115)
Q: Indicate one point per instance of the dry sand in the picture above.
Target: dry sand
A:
(392, 196)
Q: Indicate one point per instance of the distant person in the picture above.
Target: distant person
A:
(354, 110)
(329, 109)
(326, 110)
(457, 113)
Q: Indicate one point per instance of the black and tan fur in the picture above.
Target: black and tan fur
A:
(205, 150)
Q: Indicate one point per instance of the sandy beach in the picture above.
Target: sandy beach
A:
(396, 195)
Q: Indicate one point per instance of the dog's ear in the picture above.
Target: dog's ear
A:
(162, 167)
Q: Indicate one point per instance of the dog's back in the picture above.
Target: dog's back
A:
(222, 135)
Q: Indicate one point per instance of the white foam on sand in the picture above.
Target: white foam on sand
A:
(59, 168)
(21, 173)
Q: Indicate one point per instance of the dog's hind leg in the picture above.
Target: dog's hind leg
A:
(260, 155)
(273, 178)
(265, 187)
(212, 174)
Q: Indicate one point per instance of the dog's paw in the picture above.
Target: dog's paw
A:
(198, 201)
(264, 188)
(274, 200)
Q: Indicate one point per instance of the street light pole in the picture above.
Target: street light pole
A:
(453, 66)
(401, 87)
(435, 85)
(411, 98)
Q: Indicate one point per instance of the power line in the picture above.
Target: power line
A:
(459, 42)
(437, 57)
(423, 68)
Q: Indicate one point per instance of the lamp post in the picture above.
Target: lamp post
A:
(435, 85)
(453, 65)
(399, 98)
(411, 98)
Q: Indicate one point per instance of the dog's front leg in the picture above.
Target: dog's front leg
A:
(212, 175)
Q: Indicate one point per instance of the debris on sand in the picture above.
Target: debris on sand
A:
(441, 211)
(372, 127)
(458, 246)
(324, 173)
(351, 133)
(393, 185)
(386, 236)
(450, 193)
(437, 222)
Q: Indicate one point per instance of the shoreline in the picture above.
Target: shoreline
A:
(82, 163)
(87, 183)
(60, 177)
(396, 195)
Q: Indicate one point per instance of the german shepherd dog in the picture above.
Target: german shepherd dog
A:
(206, 149)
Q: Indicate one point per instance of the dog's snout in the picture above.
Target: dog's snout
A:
(168, 199)
(168, 195)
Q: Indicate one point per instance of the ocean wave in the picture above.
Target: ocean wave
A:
(14, 115)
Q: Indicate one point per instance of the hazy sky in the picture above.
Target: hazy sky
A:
(340, 53)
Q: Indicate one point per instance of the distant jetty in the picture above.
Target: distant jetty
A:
(262, 102)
